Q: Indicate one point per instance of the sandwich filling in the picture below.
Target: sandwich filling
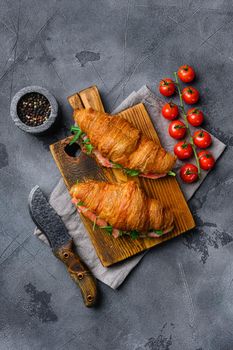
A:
(115, 232)
(88, 148)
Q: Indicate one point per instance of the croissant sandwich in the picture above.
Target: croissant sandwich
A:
(116, 143)
(121, 209)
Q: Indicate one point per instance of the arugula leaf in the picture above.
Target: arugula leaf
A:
(108, 229)
(89, 148)
(158, 232)
(134, 234)
(74, 128)
(80, 203)
(171, 173)
(116, 166)
(132, 172)
(126, 233)
(86, 141)
(77, 133)
(75, 138)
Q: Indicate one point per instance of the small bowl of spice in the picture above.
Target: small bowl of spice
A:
(34, 109)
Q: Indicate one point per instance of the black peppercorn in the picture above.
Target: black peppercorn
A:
(33, 109)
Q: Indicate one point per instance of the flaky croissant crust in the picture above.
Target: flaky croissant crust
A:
(124, 206)
(119, 141)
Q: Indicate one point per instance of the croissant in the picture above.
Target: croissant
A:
(124, 207)
(117, 143)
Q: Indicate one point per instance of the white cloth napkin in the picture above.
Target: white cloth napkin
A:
(60, 199)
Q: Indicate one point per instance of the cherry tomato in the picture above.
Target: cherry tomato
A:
(195, 117)
(186, 73)
(167, 87)
(170, 111)
(202, 139)
(183, 150)
(206, 160)
(189, 173)
(190, 95)
(177, 129)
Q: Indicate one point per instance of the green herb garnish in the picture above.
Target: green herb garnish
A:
(171, 173)
(75, 138)
(108, 229)
(88, 148)
(80, 203)
(75, 128)
(116, 166)
(134, 234)
(132, 172)
(77, 133)
(87, 140)
(158, 232)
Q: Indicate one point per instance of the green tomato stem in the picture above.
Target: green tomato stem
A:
(183, 113)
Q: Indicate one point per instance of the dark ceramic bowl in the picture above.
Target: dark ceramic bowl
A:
(34, 129)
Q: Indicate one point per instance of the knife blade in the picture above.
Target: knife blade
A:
(51, 224)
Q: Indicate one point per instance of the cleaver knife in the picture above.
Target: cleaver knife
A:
(50, 223)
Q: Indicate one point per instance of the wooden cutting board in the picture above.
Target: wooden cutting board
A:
(167, 190)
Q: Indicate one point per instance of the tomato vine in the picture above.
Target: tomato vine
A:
(184, 116)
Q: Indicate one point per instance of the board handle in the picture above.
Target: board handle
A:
(75, 101)
(87, 98)
(90, 98)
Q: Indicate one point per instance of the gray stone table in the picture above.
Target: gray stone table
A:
(180, 297)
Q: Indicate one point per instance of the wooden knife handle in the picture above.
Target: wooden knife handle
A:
(79, 272)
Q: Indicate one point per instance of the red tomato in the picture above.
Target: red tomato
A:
(186, 73)
(170, 111)
(189, 173)
(206, 160)
(177, 129)
(167, 87)
(183, 150)
(195, 117)
(190, 95)
(202, 139)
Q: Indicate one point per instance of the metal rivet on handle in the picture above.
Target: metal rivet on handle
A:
(80, 275)
(89, 298)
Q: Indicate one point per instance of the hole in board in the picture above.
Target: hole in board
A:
(73, 150)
